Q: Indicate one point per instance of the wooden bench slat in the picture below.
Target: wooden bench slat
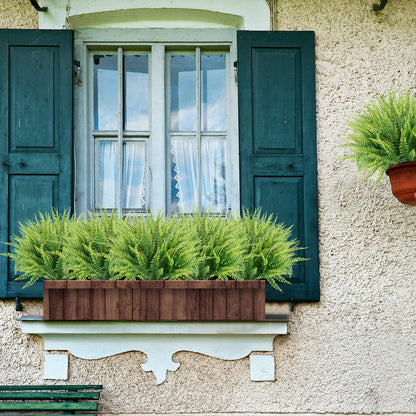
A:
(56, 395)
(50, 387)
(59, 399)
(49, 406)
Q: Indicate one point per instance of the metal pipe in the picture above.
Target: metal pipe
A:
(380, 7)
(35, 4)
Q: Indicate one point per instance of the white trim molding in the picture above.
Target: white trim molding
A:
(76, 14)
(160, 340)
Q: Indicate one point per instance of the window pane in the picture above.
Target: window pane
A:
(213, 102)
(108, 178)
(133, 175)
(213, 186)
(136, 91)
(183, 93)
(105, 92)
(184, 180)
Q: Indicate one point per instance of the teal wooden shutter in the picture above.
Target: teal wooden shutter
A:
(35, 134)
(276, 87)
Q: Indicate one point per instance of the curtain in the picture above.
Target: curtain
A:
(185, 174)
(133, 175)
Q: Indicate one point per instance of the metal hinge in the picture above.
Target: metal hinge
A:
(77, 72)
(236, 72)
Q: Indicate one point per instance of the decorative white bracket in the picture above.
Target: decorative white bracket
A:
(160, 340)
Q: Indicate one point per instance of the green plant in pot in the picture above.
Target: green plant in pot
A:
(202, 267)
(383, 140)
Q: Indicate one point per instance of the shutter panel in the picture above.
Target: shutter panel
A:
(276, 84)
(35, 134)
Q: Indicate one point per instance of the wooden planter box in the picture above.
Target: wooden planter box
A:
(196, 300)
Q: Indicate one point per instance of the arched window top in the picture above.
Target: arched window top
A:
(239, 14)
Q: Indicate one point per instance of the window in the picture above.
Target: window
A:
(159, 123)
(163, 132)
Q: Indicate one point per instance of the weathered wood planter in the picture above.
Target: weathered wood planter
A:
(164, 300)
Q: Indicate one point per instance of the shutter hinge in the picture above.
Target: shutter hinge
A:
(18, 305)
(77, 72)
(236, 72)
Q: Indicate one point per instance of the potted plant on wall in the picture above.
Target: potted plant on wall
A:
(199, 267)
(383, 140)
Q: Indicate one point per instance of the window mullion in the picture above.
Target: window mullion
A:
(119, 188)
(158, 132)
(198, 122)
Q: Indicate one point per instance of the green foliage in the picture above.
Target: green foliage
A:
(270, 251)
(98, 246)
(221, 247)
(384, 134)
(154, 248)
(38, 246)
(87, 244)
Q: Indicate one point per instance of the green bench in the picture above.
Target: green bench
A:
(57, 399)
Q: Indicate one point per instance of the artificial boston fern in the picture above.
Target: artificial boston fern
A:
(270, 252)
(150, 247)
(384, 134)
(221, 247)
(87, 244)
(154, 248)
(38, 247)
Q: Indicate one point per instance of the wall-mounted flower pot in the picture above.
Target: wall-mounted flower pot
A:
(403, 182)
(165, 300)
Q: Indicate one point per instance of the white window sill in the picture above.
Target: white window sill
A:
(160, 340)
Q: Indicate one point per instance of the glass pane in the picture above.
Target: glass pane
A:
(108, 178)
(183, 93)
(136, 92)
(184, 180)
(133, 175)
(105, 92)
(213, 101)
(213, 185)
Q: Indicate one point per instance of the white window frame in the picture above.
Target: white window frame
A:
(158, 41)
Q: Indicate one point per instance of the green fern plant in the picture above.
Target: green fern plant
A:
(383, 134)
(87, 244)
(221, 247)
(154, 248)
(98, 246)
(270, 252)
(37, 249)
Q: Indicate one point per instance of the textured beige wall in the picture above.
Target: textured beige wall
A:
(17, 14)
(355, 351)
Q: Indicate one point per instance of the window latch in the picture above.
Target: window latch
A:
(236, 71)
(77, 72)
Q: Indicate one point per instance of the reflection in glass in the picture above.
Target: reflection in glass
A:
(136, 92)
(184, 179)
(133, 175)
(105, 92)
(183, 93)
(108, 178)
(213, 186)
(213, 103)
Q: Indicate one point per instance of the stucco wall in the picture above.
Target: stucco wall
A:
(354, 351)
(18, 14)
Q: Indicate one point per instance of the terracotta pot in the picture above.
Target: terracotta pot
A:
(146, 300)
(403, 182)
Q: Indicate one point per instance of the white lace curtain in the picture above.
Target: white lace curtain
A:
(133, 192)
(212, 170)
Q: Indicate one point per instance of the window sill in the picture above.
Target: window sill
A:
(159, 341)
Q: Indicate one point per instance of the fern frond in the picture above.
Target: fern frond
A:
(383, 134)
